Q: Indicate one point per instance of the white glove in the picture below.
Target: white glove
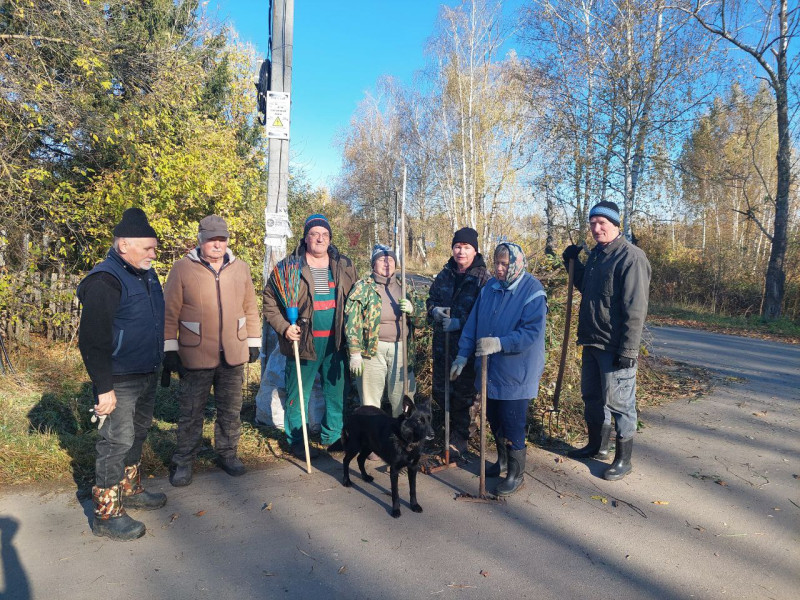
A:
(406, 306)
(356, 365)
(458, 366)
(451, 324)
(439, 313)
(487, 345)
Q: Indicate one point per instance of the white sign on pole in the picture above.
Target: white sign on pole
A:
(278, 115)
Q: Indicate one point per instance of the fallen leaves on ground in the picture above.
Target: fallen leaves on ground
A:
(199, 513)
(267, 506)
(602, 499)
(661, 502)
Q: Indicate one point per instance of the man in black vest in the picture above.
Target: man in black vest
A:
(121, 343)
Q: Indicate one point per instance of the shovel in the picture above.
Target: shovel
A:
(554, 410)
(482, 495)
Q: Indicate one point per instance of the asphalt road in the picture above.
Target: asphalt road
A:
(711, 511)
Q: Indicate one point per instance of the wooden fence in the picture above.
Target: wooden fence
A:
(39, 303)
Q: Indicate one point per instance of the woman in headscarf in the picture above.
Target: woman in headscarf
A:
(507, 324)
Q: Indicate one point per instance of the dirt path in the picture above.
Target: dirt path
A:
(710, 511)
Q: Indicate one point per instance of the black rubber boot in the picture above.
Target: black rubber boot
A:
(622, 460)
(180, 475)
(231, 465)
(592, 446)
(110, 519)
(501, 466)
(515, 478)
(605, 437)
(134, 495)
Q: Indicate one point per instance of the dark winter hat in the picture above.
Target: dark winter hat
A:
(316, 221)
(606, 209)
(379, 250)
(134, 225)
(465, 235)
(210, 227)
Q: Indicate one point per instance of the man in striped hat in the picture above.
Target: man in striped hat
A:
(326, 279)
(614, 286)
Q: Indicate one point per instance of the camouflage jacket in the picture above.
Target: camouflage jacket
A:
(363, 314)
(459, 298)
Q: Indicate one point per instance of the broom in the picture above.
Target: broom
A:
(286, 282)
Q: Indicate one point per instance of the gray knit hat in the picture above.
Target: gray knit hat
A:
(379, 250)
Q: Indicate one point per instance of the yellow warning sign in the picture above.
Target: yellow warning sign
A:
(278, 119)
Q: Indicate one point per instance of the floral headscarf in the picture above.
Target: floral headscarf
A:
(516, 263)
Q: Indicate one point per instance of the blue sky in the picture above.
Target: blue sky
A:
(340, 51)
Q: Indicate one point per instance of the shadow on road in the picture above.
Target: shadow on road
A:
(16, 581)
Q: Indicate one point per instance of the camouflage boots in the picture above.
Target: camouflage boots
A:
(134, 495)
(110, 519)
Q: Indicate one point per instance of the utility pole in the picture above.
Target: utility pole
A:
(277, 228)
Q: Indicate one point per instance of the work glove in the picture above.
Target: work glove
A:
(439, 313)
(172, 362)
(571, 252)
(406, 306)
(356, 365)
(254, 354)
(623, 362)
(451, 324)
(457, 367)
(487, 345)
(166, 376)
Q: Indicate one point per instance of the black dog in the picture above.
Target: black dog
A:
(397, 441)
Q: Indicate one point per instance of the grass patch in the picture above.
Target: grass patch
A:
(782, 330)
(46, 433)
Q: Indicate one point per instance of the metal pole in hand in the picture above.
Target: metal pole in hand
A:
(447, 396)
(302, 403)
(402, 246)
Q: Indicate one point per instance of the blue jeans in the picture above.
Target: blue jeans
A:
(125, 429)
(608, 390)
(507, 420)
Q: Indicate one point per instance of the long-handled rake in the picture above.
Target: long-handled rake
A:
(554, 413)
(286, 281)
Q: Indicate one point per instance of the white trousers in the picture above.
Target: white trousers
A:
(385, 371)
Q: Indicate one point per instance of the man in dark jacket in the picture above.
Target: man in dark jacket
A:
(121, 341)
(326, 279)
(449, 303)
(614, 286)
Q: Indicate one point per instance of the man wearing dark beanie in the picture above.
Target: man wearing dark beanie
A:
(450, 300)
(614, 286)
(121, 341)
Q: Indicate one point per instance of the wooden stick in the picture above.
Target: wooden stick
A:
(484, 378)
(302, 403)
(565, 341)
